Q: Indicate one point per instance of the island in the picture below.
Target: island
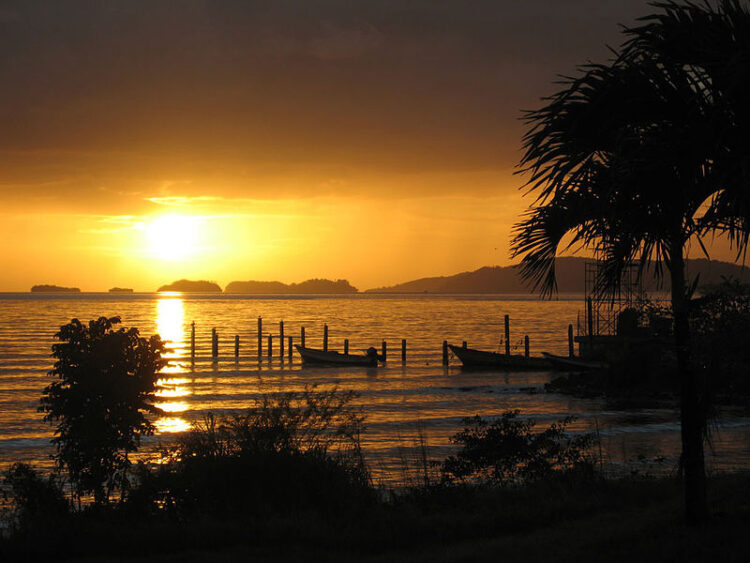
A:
(189, 286)
(121, 290)
(54, 289)
(313, 286)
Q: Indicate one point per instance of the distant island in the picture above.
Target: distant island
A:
(570, 273)
(314, 286)
(120, 290)
(54, 289)
(189, 286)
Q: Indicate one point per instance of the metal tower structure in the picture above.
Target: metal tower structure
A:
(601, 313)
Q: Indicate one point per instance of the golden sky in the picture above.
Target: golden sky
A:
(144, 142)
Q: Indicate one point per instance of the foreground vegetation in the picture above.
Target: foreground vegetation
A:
(287, 481)
(558, 520)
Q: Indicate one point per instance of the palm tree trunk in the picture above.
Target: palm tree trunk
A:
(691, 415)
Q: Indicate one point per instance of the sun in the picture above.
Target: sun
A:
(173, 237)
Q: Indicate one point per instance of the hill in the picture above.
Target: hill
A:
(188, 286)
(314, 286)
(54, 289)
(571, 273)
(121, 290)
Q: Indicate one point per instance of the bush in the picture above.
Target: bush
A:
(35, 499)
(506, 451)
(297, 451)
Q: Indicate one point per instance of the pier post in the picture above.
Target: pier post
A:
(590, 322)
(192, 340)
(214, 343)
(302, 337)
(260, 337)
(346, 345)
(325, 338)
(281, 340)
(270, 347)
(507, 335)
(526, 346)
(403, 350)
(463, 344)
(385, 351)
(445, 352)
(290, 349)
(571, 350)
(236, 345)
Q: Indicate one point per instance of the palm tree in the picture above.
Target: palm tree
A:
(635, 160)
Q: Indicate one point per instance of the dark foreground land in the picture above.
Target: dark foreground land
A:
(591, 520)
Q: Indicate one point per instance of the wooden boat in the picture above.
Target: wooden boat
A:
(479, 359)
(566, 363)
(322, 357)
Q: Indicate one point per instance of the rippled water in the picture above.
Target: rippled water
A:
(396, 398)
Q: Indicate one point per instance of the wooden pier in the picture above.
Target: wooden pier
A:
(279, 346)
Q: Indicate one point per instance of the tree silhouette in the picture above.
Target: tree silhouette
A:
(105, 380)
(638, 158)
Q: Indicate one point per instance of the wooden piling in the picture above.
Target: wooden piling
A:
(214, 343)
(526, 346)
(290, 349)
(445, 352)
(463, 344)
(192, 339)
(281, 340)
(346, 345)
(270, 346)
(403, 350)
(325, 338)
(260, 337)
(236, 345)
(302, 337)
(571, 350)
(590, 321)
(384, 350)
(507, 335)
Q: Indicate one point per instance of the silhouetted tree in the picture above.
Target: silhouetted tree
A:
(105, 378)
(636, 158)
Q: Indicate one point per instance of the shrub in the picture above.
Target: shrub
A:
(35, 499)
(297, 451)
(507, 451)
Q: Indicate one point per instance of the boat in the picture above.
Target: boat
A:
(574, 363)
(330, 358)
(479, 359)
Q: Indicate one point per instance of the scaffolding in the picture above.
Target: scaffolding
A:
(601, 314)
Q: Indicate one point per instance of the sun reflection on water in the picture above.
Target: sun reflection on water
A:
(171, 425)
(170, 317)
(174, 406)
(170, 323)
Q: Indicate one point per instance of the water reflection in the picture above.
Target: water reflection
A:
(171, 424)
(170, 323)
(170, 317)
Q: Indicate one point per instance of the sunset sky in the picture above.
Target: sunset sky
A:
(144, 142)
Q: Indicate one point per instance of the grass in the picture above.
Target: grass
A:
(622, 520)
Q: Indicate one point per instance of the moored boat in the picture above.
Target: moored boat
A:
(330, 358)
(567, 363)
(479, 359)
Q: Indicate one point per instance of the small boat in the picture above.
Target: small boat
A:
(323, 357)
(567, 363)
(477, 359)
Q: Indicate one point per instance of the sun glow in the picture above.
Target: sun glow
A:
(173, 237)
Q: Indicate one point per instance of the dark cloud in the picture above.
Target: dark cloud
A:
(95, 92)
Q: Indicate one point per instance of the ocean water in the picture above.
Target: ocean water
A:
(397, 399)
